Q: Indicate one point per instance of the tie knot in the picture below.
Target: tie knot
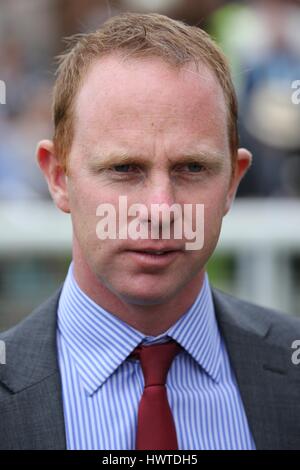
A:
(156, 360)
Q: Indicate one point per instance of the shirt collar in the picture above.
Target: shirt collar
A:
(99, 342)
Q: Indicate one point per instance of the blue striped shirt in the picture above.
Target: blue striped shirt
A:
(102, 387)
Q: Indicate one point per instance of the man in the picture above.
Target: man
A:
(144, 109)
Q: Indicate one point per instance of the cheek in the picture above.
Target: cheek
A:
(83, 213)
(214, 208)
(85, 196)
(215, 199)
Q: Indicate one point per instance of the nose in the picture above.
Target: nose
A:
(159, 197)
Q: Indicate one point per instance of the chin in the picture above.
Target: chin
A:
(146, 297)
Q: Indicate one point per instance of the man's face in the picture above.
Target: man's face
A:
(158, 116)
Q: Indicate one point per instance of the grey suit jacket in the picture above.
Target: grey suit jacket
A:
(259, 345)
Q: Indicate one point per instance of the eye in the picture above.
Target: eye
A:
(195, 167)
(126, 168)
(125, 171)
(192, 167)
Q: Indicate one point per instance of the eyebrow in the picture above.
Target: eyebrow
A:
(101, 161)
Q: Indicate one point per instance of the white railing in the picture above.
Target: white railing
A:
(263, 235)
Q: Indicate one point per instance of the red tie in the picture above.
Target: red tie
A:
(156, 428)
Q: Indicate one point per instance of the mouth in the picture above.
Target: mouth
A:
(154, 257)
(155, 252)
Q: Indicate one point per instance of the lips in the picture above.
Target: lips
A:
(153, 259)
(156, 250)
(152, 252)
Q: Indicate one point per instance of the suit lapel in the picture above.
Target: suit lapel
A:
(261, 373)
(34, 418)
(33, 413)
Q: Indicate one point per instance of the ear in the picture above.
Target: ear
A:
(54, 174)
(243, 162)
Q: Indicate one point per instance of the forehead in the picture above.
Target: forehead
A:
(138, 95)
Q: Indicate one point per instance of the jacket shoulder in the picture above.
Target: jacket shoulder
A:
(280, 328)
(33, 321)
(30, 348)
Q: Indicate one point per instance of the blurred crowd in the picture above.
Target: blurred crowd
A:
(260, 37)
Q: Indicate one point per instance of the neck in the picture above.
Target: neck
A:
(151, 320)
